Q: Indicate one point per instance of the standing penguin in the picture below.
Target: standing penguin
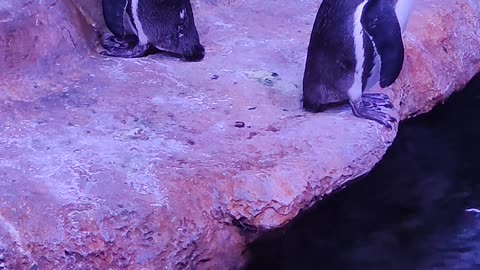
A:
(354, 45)
(141, 25)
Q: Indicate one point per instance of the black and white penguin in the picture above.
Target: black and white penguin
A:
(354, 45)
(139, 26)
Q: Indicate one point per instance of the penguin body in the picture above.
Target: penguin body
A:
(354, 45)
(139, 26)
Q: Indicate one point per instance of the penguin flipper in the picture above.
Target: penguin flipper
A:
(113, 13)
(380, 22)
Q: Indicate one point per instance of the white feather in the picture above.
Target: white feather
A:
(355, 91)
(402, 9)
(142, 37)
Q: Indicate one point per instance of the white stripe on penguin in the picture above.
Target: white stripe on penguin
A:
(142, 37)
(355, 91)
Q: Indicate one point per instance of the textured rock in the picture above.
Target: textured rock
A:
(155, 162)
(41, 34)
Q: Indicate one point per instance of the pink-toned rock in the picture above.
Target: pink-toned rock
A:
(40, 35)
(110, 163)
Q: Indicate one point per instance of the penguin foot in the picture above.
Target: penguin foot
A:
(111, 41)
(369, 110)
(129, 52)
(377, 100)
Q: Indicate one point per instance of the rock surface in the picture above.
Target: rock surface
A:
(110, 163)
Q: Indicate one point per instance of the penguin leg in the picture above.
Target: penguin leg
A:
(377, 100)
(369, 110)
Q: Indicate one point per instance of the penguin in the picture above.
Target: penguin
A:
(142, 26)
(355, 45)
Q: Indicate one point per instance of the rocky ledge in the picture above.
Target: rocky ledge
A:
(110, 163)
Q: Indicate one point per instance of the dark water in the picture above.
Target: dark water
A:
(407, 214)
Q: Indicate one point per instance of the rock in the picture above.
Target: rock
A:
(140, 163)
(40, 35)
(442, 41)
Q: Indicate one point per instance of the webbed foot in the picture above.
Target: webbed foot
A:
(377, 99)
(111, 41)
(368, 107)
(127, 47)
(129, 52)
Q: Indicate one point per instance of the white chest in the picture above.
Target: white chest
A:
(402, 9)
